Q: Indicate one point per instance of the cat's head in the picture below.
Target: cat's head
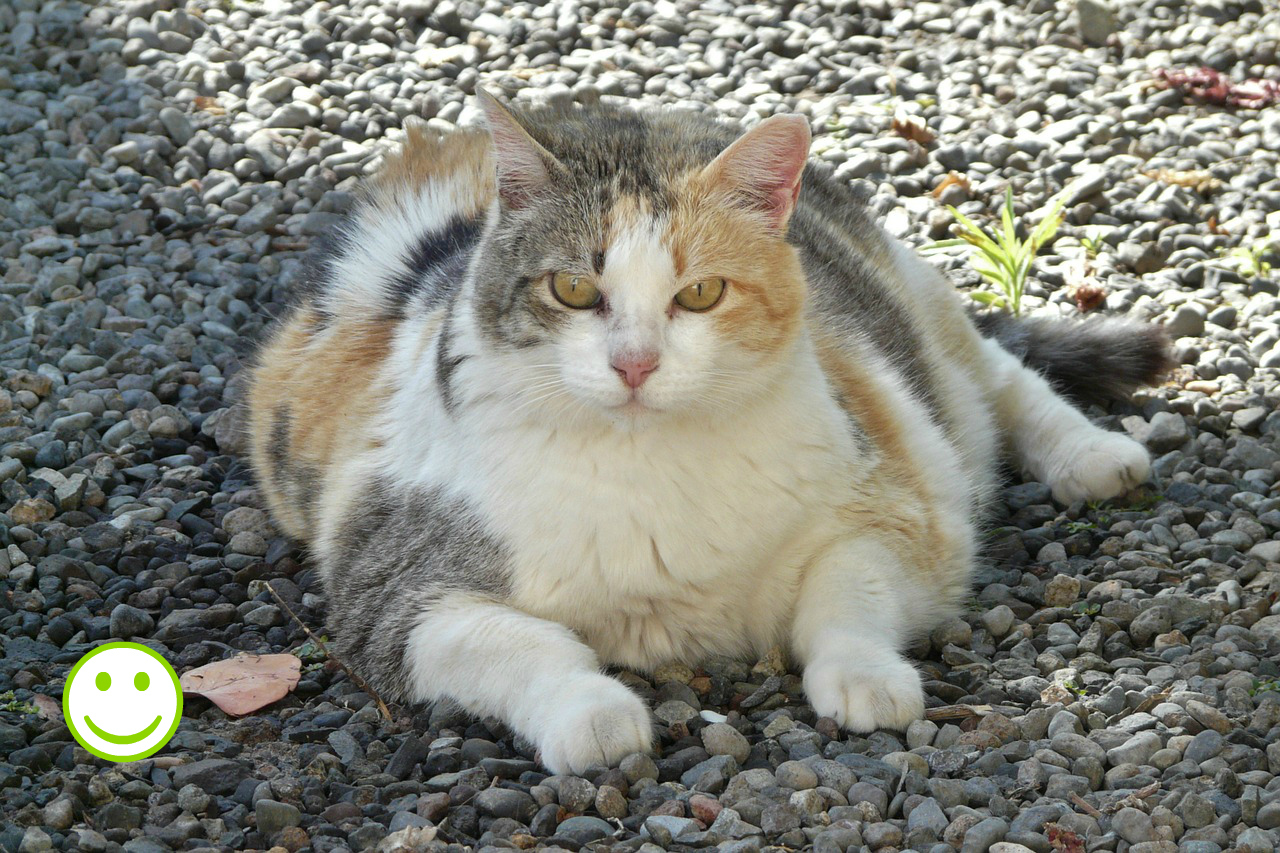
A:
(638, 266)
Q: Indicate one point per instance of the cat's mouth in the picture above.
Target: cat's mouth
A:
(635, 406)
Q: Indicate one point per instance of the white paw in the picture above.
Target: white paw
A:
(596, 724)
(1101, 466)
(865, 691)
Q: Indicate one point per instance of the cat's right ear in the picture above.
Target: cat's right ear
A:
(524, 167)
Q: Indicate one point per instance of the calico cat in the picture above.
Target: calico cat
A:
(601, 386)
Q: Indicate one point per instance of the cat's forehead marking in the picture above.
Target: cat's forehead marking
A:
(638, 266)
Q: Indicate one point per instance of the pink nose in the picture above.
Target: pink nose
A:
(635, 369)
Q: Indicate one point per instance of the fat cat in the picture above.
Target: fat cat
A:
(606, 387)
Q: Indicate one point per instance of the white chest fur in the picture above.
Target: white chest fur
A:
(667, 542)
(657, 549)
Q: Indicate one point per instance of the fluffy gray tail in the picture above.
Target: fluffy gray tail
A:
(1090, 361)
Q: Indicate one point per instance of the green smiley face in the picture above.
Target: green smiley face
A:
(122, 701)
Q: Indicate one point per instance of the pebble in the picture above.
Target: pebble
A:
(584, 829)
(724, 739)
(1133, 825)
(274, 816)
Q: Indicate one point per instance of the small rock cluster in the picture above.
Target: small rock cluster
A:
(1114, 684)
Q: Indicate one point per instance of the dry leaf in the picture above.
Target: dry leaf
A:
(47, 707)
(951, 179)
(209, 104)
(1215, 87)
(1056, 693)
(1063, 840)
(244, 683)
(1200, 180)
(1089, 297)
(913, 128)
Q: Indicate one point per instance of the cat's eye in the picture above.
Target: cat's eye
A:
(702, 295)
(575, 291)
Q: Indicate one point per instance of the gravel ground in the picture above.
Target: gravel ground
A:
(163, 171)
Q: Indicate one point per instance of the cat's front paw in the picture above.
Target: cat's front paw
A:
(597, 723)
(1101, 466)
(865, 692)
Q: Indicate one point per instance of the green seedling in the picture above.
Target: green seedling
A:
(1002, 257)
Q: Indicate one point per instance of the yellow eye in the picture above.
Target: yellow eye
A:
(576, 291)
(702, 295)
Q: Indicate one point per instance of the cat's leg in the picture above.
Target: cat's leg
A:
(1054, 442)
(534, 675)
(850, 624)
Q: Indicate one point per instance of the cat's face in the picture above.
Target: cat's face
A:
(638, 289)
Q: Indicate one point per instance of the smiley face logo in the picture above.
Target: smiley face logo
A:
(122, 701)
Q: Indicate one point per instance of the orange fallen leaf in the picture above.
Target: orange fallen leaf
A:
(244, 683)
(209, 104)
(950, 179)
(913, 128)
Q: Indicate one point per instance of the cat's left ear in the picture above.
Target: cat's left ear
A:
(524, 167)
(764, 165)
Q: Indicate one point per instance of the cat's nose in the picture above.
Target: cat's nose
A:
(635, 368)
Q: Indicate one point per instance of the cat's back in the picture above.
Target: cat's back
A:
(319, 379)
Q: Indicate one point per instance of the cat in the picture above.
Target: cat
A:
(598, 386)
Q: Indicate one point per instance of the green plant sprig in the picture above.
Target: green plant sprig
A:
(1001, 257)
(1250, 260)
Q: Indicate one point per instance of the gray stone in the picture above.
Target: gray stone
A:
(928, 816)
(998, 620)
(724, 739)
(1196, 811)
(1076, 746)
(1136, 750)
(794, 774)
(504, 802)
(1167, 431)
(212, 775)
(573, 793)
(666, 828)
(128, 622)
(585, 829)
(1152, 621)
(273, 816)
(982, 835)
(779, 818)
(1204, 746)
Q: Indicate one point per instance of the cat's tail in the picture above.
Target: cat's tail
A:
(1090, 361)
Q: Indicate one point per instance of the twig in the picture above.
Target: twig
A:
(360, 682)
(1135, 798)
(963, 712)
(1084, 806)
(949, 712)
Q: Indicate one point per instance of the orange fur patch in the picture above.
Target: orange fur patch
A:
(903, 514)
(310, 396)
(711, 237)
(463, 157)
